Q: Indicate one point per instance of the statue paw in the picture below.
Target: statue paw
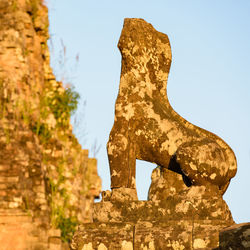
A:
(123, 194)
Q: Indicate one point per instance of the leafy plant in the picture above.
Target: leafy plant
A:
(41, 129)
(67, 226)
(63, 104)
(61, 210)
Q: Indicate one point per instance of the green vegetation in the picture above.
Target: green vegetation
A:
(14, 5)
(42, 130)
(50, 117)
(63, 105)
(61, 210)
(67, 225)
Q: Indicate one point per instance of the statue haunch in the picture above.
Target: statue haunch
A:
(147, 128)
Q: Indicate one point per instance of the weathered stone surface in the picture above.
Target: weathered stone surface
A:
(17, 231)
(235, 237)
(206, 202)
(178, 222)
(165, 183)
(120, 194)
(147, 128)
(169, 209)
(174, 234)
(181, 234)
(44, 172)
(104, 236)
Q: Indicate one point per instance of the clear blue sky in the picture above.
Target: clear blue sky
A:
(209, 81)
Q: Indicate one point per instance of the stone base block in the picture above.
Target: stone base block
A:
(235, 237)
(172, 208)
(183, 234)
(189, 220)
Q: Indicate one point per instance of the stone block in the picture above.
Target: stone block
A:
(55, 243)
(172, 208)
(3, 186)
(16, 218)
(104, 236)
(4, 167)
(173, 234)
(9, 179)
(152, 225)
(236, 237)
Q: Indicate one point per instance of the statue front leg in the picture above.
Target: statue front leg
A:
(122, 160)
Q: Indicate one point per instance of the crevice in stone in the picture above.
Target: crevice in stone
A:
(175, 167)
(134, 237)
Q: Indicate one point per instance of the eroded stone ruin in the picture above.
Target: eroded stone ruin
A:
(46, 178)
(185, 208)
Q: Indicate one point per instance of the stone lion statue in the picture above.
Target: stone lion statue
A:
(147, 128)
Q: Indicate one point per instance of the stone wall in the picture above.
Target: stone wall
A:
(46, 178)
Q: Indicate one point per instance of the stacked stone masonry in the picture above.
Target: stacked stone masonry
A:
(45, 175)
(185, 220)
(172, 235)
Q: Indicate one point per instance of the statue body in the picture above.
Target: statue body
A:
(147, 128)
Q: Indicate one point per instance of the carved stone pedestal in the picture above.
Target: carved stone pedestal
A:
(168, 224)
(175, 217)
(185, 234)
